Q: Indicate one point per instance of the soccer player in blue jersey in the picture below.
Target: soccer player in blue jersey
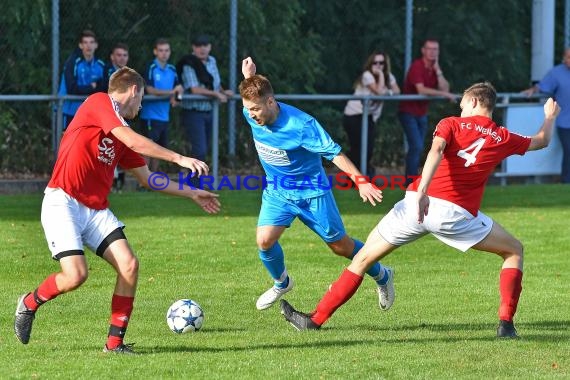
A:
(290, 144)
(161, 79)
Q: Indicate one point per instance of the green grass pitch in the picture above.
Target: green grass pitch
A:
(442, 324)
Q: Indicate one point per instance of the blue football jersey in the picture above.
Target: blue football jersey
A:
(290, 152)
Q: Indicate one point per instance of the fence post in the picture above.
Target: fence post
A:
(215, 139)
(364, 136)
(232, 81)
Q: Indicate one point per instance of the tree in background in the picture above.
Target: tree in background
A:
(303, 46)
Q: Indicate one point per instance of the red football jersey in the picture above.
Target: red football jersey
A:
(89, 152)
(475, 145)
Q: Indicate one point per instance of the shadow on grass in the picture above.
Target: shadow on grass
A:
(254, 347)
(534, 329)
(462, 329)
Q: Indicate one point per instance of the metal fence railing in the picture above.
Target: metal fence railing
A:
(504, 100)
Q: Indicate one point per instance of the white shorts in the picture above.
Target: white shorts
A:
(447, 221)
(69, 225)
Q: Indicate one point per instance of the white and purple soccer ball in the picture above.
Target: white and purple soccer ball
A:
(184, 316)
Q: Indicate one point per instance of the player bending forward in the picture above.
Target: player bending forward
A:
(75, 206)
(445, 202)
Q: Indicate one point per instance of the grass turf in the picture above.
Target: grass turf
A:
(442, 324)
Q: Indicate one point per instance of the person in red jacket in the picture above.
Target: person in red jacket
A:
(424, 77)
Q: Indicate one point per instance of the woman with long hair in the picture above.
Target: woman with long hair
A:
(376, 79)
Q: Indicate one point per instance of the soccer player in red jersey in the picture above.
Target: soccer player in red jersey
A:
(75, 207)
(445, 202)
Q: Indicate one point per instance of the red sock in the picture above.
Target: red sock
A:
(45, 292)
(339, 293)
(510, 287)
(121, 309)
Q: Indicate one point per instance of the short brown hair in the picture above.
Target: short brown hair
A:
(255, 87)
(485, 94)
(123, 79)
(120, 45)
(87, 33)
(160, 41)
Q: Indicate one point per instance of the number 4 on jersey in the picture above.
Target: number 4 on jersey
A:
(470, 158)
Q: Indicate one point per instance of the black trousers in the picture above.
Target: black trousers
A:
(353, 127)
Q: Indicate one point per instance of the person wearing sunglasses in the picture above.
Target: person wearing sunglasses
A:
(375, 79)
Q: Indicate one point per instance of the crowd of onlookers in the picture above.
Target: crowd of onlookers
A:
(197, 73)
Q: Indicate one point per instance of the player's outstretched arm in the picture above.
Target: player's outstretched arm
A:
(207, 201)
(432, 162)
(544, 134)
(368, 192)
(149, 148)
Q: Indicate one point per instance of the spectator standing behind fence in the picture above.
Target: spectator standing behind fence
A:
(199, 74)
(375, 79)
(424, 77)
(557, 83)
(119, 57)
(161, 79)
(83, 74)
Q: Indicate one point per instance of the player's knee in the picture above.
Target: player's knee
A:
(73, 280)
(518, 248)
(264, 242)
(515, 250)
(338, 250)
(341, 249)
(130, 267)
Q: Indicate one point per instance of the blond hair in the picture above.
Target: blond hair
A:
(485, 94)
(123, 79)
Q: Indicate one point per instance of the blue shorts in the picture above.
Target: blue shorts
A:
(155, 130)
(320, 214)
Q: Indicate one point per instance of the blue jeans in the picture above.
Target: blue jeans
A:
(564, 135)
(415, 128)
(198, 127)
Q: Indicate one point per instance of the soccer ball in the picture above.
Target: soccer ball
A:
(184, 315)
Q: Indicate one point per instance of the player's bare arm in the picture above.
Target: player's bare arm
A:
(207, 201)
(149, 148)
(368, 192)
(432, 162)
(544, 134)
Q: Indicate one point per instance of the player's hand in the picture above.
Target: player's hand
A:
(369, 192)
(196, 166)
(207, 201)
(423, 206)
(248, 68)
(551, 109)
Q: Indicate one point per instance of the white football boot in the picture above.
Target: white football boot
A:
(387, 293)
(267, 299)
